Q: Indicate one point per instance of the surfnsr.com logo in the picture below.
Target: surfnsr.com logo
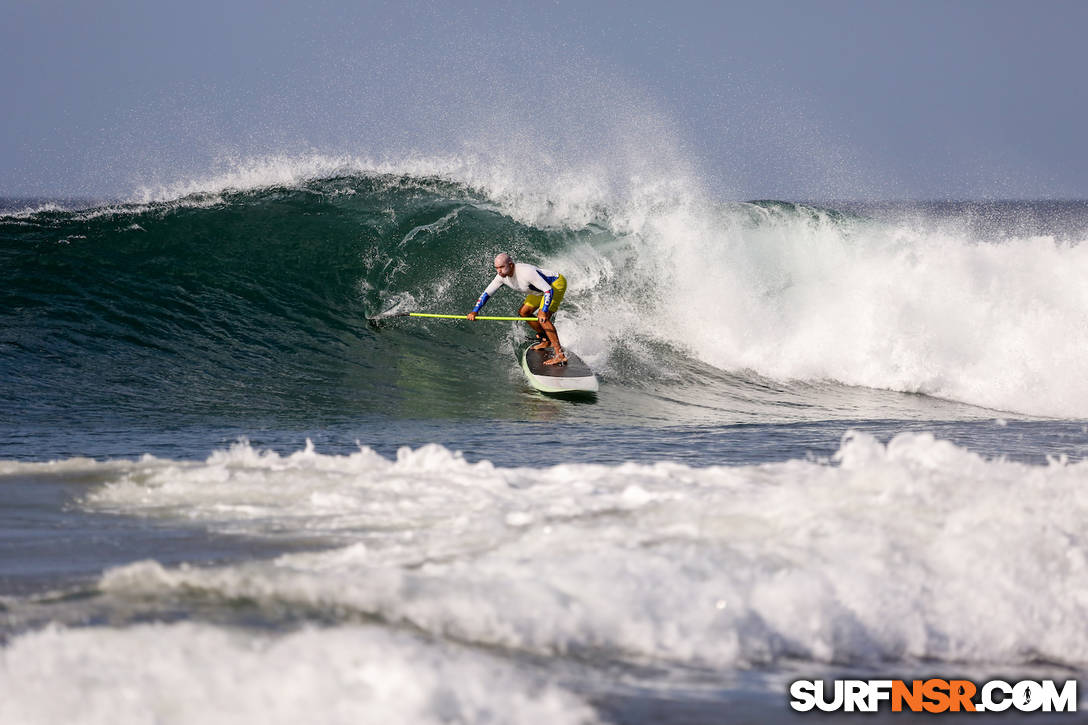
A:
(933, 695)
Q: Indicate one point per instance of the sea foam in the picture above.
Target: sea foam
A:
(801, 294)
(189, 673)
(911, 550)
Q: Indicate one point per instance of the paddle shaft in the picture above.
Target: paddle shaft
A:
(465, 317)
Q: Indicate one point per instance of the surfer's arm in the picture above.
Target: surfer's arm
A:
(491, 289)
(544, 284)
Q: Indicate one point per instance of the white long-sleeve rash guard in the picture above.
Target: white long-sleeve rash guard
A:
(526, 278)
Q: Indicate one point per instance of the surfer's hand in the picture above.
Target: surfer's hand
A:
(471, 316)
(541, 316)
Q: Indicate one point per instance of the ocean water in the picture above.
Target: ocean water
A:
(833, 439)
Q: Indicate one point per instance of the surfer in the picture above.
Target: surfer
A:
(544, 294)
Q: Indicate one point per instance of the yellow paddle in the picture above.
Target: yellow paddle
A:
(465, 317)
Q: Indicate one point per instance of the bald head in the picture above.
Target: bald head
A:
(504, 265)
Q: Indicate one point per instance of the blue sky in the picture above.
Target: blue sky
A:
(792, 100)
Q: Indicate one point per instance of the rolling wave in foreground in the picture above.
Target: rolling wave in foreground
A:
(835, 440)
(431, 589)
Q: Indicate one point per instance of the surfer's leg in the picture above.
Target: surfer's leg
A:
(529, 310)
(559, 288)
(553, 337)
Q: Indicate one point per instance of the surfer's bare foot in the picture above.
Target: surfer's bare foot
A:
(559, 359)
(542, 345)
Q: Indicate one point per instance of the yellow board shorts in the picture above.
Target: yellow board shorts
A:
(559, 288)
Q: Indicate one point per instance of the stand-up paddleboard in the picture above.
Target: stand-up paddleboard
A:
(574, 378)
